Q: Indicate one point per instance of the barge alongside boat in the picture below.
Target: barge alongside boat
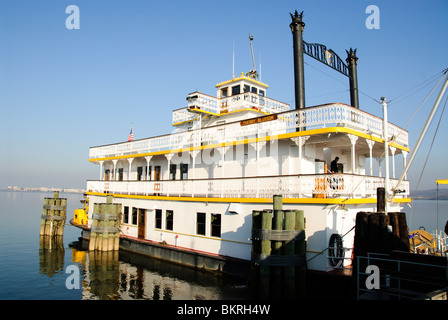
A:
(188, 196)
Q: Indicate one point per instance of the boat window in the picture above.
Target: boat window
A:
(120, 174)
(200, 223)
(169, 220)
(173, 171)
(158, 221)
(216, 225)
(246, 88)
(107, 175)
(125, 214)
(149, 172)
(261, 93)
(157, 170)
(134, 215)
(236, 90)
(139, 173)
(254, 90)
(224, 92)
(183, 171)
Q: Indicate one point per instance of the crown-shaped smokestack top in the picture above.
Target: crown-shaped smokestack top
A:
(351, 55)
(297, 18)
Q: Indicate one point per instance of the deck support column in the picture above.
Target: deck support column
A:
(300, 142)
(379, 159)
(393, 150)
(194, 154)
(353, 140)
(148, 159)
(115, 169)
(370, 143)
(169, 156)
(405, 155)
(101, 170)
(130, 165)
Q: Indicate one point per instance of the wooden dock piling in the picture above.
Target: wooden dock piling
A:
(105, 232)
(53, 217)
(278, 252)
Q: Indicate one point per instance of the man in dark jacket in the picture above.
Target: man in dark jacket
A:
(334, 165)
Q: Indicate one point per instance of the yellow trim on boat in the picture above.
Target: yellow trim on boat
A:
(250, 200)
(242, 77)
(259, 139)
(220, 114)
(442, 181)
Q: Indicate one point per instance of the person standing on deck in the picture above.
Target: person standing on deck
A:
(334, 165)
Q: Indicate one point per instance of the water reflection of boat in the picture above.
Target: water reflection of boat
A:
(128, 276)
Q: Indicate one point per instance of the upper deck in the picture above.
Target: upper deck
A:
(301, 145)
(337, 118)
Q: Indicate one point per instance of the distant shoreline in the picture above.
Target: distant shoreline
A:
(46, 190)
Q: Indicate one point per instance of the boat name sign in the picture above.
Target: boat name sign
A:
(259, 120)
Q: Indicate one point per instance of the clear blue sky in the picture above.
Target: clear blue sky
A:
(63, 91)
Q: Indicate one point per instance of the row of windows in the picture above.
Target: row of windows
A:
(237, 90)
(201, 225)
(152, 174)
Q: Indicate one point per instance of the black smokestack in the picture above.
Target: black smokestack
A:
(352, 63)
(297, 26)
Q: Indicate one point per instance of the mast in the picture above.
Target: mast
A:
(386, 152)
(252, 73)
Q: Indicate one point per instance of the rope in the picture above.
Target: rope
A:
(430, 78)
(429, 152)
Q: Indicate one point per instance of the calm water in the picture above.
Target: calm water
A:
(29, 270)
(430, 214)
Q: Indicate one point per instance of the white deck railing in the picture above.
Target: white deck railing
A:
(206, 103)
(332, 115)
(294, 186)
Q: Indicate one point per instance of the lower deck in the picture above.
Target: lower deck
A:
(221, 230)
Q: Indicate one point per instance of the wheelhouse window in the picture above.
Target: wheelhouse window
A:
(200, 223)
(236, 90)
(169, 220)
(215, 225)
(246, 88)
(254, 90)
(158, 221)
(125, 214)
(224, 92)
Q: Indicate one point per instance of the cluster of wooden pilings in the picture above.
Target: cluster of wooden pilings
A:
(379, 231)
(53, 216)
(278, 253)
(105, 231)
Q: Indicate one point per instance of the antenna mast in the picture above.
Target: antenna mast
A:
(252, 73)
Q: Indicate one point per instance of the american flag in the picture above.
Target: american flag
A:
(131, 136)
